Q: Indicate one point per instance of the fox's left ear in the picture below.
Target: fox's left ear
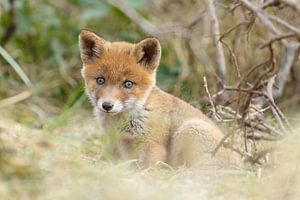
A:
(147, 53)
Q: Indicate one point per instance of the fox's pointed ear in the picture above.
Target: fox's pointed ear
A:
(147, 53)
(91, 45)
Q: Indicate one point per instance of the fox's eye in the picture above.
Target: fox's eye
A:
(100, 80)
(128, 84)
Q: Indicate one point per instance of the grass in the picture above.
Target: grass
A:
(63, 163)
(15, 66)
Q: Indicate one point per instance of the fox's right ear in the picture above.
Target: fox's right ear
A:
(91, 45)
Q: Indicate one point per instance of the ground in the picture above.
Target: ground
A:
(64, 163)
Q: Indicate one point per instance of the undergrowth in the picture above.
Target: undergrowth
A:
(64, 163)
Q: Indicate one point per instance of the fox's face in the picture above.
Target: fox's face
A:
(118, 76)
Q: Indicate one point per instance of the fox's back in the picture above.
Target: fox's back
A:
(173, 109)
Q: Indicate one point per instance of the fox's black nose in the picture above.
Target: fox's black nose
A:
(107, 106)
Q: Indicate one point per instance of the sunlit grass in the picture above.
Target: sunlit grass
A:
(64, 163)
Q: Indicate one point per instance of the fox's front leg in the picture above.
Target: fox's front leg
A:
(151, 154)
(125, 145)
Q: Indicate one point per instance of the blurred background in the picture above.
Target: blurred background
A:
(43, 80)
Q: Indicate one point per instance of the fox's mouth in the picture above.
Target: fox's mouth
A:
(109, 112)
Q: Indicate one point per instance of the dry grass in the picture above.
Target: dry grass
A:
(64, 164)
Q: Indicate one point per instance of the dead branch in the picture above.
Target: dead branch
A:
(179, 50)
(221, 143)
(289, 56)
(227, 113)
(292, 3)
(215, 114)
(269, 93)
(215, 31)
(291, 48)
(199, 16)
(278, 38)
(160, 32)
(265, 19)
(285, 24)
(233, 58)
(261, 15)
(246, 23)
(270, 3)
(134, 16)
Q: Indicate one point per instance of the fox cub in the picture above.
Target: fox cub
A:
(158, 127)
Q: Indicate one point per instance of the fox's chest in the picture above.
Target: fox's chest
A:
(137, 125)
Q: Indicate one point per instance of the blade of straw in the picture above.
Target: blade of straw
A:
(15, 66)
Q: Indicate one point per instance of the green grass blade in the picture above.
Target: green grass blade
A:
(15, 66)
